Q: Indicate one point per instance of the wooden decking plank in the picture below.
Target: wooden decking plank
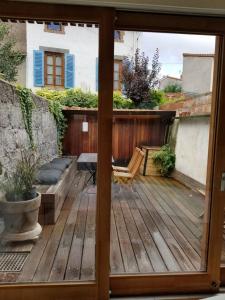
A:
(45, 265)
(175, 248)
(34, 258)
(61, 258)
(179, 237)
(116, 261)
(158, 238)
(172, 212)
(194, 201)
(6, 277)
(129, 260)
(176, 210)
(179, 201)
(88, 258)
(75, 257)
(74, 190)
(143, 261)
(25, 246)
(145, 234)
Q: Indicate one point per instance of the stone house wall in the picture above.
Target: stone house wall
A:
(13, 136)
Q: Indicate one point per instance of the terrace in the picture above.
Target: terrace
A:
(155, 227)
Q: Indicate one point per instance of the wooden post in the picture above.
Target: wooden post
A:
(105, 112)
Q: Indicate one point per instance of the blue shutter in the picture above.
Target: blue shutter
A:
(69, 71)
(38, 68)
(96, 74)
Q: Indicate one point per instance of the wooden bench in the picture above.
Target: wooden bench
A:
(53, 196)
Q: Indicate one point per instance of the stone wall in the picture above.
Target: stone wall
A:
(13, 136)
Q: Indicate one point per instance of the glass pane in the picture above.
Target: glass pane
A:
(49, 60)
(116, 85)
(53, 242)
(116, 67)
(116, 76)
(49, 79)
(58, 80)
(54, 27)
(50, 70)
(159, 186)
(58, 70)
(58, 61)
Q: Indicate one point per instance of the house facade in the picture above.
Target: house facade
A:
(67, 56)
(168, 80)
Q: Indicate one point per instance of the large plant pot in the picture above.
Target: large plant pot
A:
(21, 219)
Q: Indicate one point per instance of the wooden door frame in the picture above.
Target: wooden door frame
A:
(208, 281)
(129, 284)
(104, 17)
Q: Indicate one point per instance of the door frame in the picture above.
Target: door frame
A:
(129, 284)
(104, 18)
(208, 281)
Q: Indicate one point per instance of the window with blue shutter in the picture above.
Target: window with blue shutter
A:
(69, 71)
(96, 74)
(38, 68)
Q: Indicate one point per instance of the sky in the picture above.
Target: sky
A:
(171, 49)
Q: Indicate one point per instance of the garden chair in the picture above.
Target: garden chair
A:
(127, 177)
(131, 163)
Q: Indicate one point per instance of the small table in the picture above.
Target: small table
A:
(88, 162)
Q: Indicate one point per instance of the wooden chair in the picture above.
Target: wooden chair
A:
(127, 177)
(130, 165)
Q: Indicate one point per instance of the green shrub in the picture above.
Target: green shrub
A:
(120, 102)
(164, 160)
(76, 97)
(173, 88)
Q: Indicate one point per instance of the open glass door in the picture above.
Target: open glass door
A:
(164, 125)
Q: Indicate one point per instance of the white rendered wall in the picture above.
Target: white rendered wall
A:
(197, 74)
(192, 147)
(80, 41)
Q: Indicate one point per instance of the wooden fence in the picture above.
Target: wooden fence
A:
(130, 128)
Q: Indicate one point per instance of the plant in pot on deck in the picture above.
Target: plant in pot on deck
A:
(164, 160)
(20, 202)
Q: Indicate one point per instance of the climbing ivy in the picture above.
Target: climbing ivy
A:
(56, 109)
(26, 105)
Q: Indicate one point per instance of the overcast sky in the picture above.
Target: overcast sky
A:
(172, 46)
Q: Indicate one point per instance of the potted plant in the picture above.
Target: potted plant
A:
(164, 160)
(19, 203)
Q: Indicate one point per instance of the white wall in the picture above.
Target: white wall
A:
(165, 81)
(192, 147)
(80, 41)
(197, 74)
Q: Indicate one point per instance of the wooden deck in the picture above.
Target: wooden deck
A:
(155, 228)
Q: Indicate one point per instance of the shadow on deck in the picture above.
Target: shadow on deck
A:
(155, 227)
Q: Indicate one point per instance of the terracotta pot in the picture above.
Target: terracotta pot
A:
(21, 219)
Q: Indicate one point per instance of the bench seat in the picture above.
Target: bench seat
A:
(53, 196)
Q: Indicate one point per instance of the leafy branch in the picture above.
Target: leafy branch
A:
(26, 105)
(56, 109)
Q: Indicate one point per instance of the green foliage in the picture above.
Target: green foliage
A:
(78, 98)
(27, 169)
(172, 88)
(26, 105)
(19, 185)
(12, 187)
(165, 160)
(55, 107)
(10, 58)
(120, 102)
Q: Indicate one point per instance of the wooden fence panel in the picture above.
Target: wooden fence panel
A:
(130, 129)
